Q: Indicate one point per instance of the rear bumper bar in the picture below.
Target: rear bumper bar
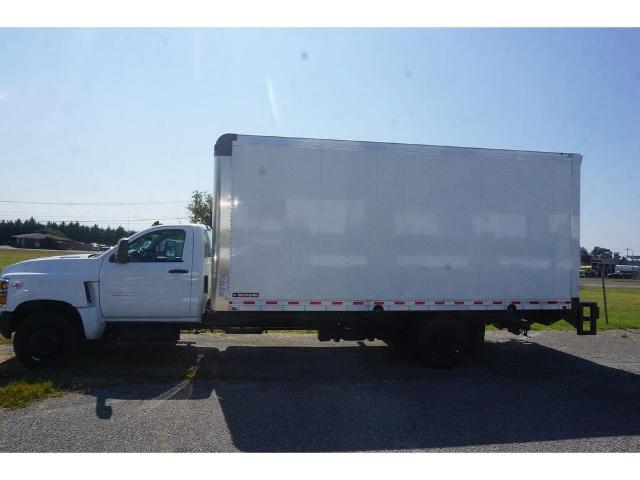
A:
(594, 313)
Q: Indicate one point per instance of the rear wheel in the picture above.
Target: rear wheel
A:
(45, 339)
(441, 343)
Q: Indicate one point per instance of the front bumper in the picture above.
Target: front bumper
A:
(5, 324)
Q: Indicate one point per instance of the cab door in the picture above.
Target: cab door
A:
(155, 283)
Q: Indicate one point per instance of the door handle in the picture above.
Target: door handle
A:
(178, 270)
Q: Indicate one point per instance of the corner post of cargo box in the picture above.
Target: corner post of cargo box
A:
(221, 221)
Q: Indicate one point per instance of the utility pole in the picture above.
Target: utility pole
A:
(604, 295)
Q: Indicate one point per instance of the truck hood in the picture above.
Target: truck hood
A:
(63, 264)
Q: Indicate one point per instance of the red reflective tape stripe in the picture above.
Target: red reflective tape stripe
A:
(534, 302)
(315, 302)
(568, 302)
(358, 303)
(457, 302)
(271, 302)
(378, 303)
(497, 302)
(516, 302)
(293, 302)
(249, 302)
(439, 302)
(419, 302)
(336, 302)
(478, 302)
(398, 303)
(552, 302)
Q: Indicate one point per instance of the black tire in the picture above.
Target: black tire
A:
(442, 343)
(45, 339)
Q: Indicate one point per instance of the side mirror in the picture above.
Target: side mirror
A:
(122, 255)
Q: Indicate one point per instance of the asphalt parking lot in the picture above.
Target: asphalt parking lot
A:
(552, 391)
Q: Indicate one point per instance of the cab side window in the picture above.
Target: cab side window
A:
(158, 246)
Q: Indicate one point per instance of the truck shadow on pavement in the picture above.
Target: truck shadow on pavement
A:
(519, 392)
(366, 397)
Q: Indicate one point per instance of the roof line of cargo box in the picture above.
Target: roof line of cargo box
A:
(224, 144)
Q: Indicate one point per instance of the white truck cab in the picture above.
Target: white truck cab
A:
(161, 274)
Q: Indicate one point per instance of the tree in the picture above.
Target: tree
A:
(601, 251)
(201, 207)
(585, 258)
(73, 230)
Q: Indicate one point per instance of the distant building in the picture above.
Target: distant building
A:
(606, 263)
(45, 240)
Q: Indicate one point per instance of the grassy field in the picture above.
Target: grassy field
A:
(14, 255)
(623, 306)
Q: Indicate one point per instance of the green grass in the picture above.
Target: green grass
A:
(9, 256)
(623, 305)
(21, 393)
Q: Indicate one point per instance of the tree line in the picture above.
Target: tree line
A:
(598, 252)
(199, 212)
(73, 230)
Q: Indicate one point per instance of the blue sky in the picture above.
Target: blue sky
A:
(132, 115)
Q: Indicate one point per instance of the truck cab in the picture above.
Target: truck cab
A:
(160, 275)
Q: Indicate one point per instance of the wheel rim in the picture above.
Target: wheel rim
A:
(45, 342)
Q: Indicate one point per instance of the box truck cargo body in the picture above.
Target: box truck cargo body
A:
(334, 225)
(420, 246)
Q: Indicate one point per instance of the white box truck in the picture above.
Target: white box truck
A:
(417, 245)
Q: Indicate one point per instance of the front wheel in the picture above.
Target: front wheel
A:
(45, 339)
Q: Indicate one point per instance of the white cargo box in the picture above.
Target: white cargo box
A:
(304, 224)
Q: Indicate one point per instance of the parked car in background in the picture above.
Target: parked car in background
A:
(620, 275)
(625, 271)
(587, 271)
